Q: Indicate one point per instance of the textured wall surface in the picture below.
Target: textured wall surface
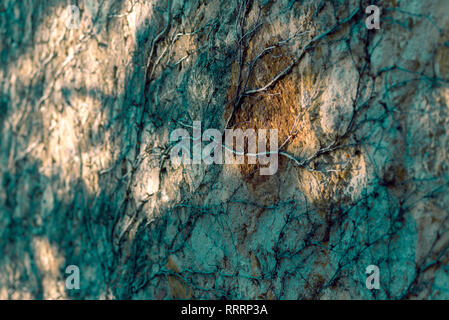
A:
(86, 178)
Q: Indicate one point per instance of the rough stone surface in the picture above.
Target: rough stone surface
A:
(85, 177)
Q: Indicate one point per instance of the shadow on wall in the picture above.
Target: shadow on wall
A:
(74, 143)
